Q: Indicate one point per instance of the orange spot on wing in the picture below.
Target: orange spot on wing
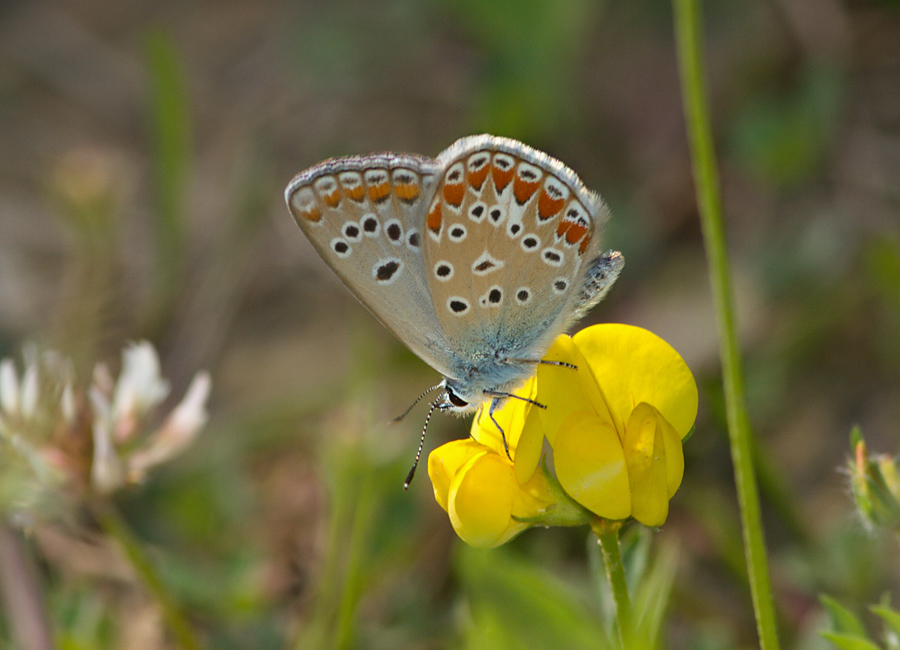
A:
(356, 192)
(524, 189)
(584, 245)
(312, 213)
(563, 228)
(502, 177)
(476, 178)
(380, 192)
(332, 200)
(454, 193)
(547, 206)
(575, 232)
(406, 191)
(434, 218)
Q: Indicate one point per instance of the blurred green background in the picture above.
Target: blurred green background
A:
(144, 148)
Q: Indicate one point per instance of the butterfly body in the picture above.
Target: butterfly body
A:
(476, 260)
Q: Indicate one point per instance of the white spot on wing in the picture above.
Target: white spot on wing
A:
(457, 233)
(325, 185)
(457, 305)
(493, 297)
(496, 214)
(486, 263)
(560, 286)
(477, 211)
(553, 257)
(341, 248)
(530, 243)
(555, 189)
(304, 199)
(528, 173)
(375, 176)
(514, 229)
(371, 227)
(394, 231)
(387, 270)
(443, 270)
(352, 231)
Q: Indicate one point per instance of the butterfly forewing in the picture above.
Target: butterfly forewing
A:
(508, 237)
(364, 215)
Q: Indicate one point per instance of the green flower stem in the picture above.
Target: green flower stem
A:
(687, 33)
(608, 534)
(117, 529)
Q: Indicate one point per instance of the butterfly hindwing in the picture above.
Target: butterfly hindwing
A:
(509, 236)
(364, 215)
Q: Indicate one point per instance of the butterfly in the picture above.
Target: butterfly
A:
(476, 260)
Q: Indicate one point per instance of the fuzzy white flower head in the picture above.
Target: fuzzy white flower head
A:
(177, 432)
(9, 387)
(139, 389)
(106, 469)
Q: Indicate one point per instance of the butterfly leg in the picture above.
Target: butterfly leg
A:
(545, 362)
(561, 364)
(499, 397)
(494, 404)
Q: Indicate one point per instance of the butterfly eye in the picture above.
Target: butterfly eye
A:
(456, 400)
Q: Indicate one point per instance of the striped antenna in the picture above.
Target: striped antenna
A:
(418, 399)
(412, 472)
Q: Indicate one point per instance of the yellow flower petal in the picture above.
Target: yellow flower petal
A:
(511, 418)
(567, 390)
(637, 366)
(645, 455)
(445, 462)
(590, 465)
(530, 447)
(481, 499)
(674, 455)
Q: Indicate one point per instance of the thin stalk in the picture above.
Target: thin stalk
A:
(690, 56)
(118, 530)
(20, 589)
(615, 573)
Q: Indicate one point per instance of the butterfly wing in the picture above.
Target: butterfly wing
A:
(363, 215)
(510, 235)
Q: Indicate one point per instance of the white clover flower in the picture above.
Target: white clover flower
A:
(9, 387)
(93, 439)
(177, 432)
(140, 387)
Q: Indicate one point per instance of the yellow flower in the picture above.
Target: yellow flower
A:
(615, 425)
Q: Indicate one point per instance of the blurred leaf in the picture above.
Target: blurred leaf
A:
(842, 619)
(653, 594)
(650, 572)
(370, 534)
(892, 623)
(518, 605)
(850, 641)
(83, 620)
